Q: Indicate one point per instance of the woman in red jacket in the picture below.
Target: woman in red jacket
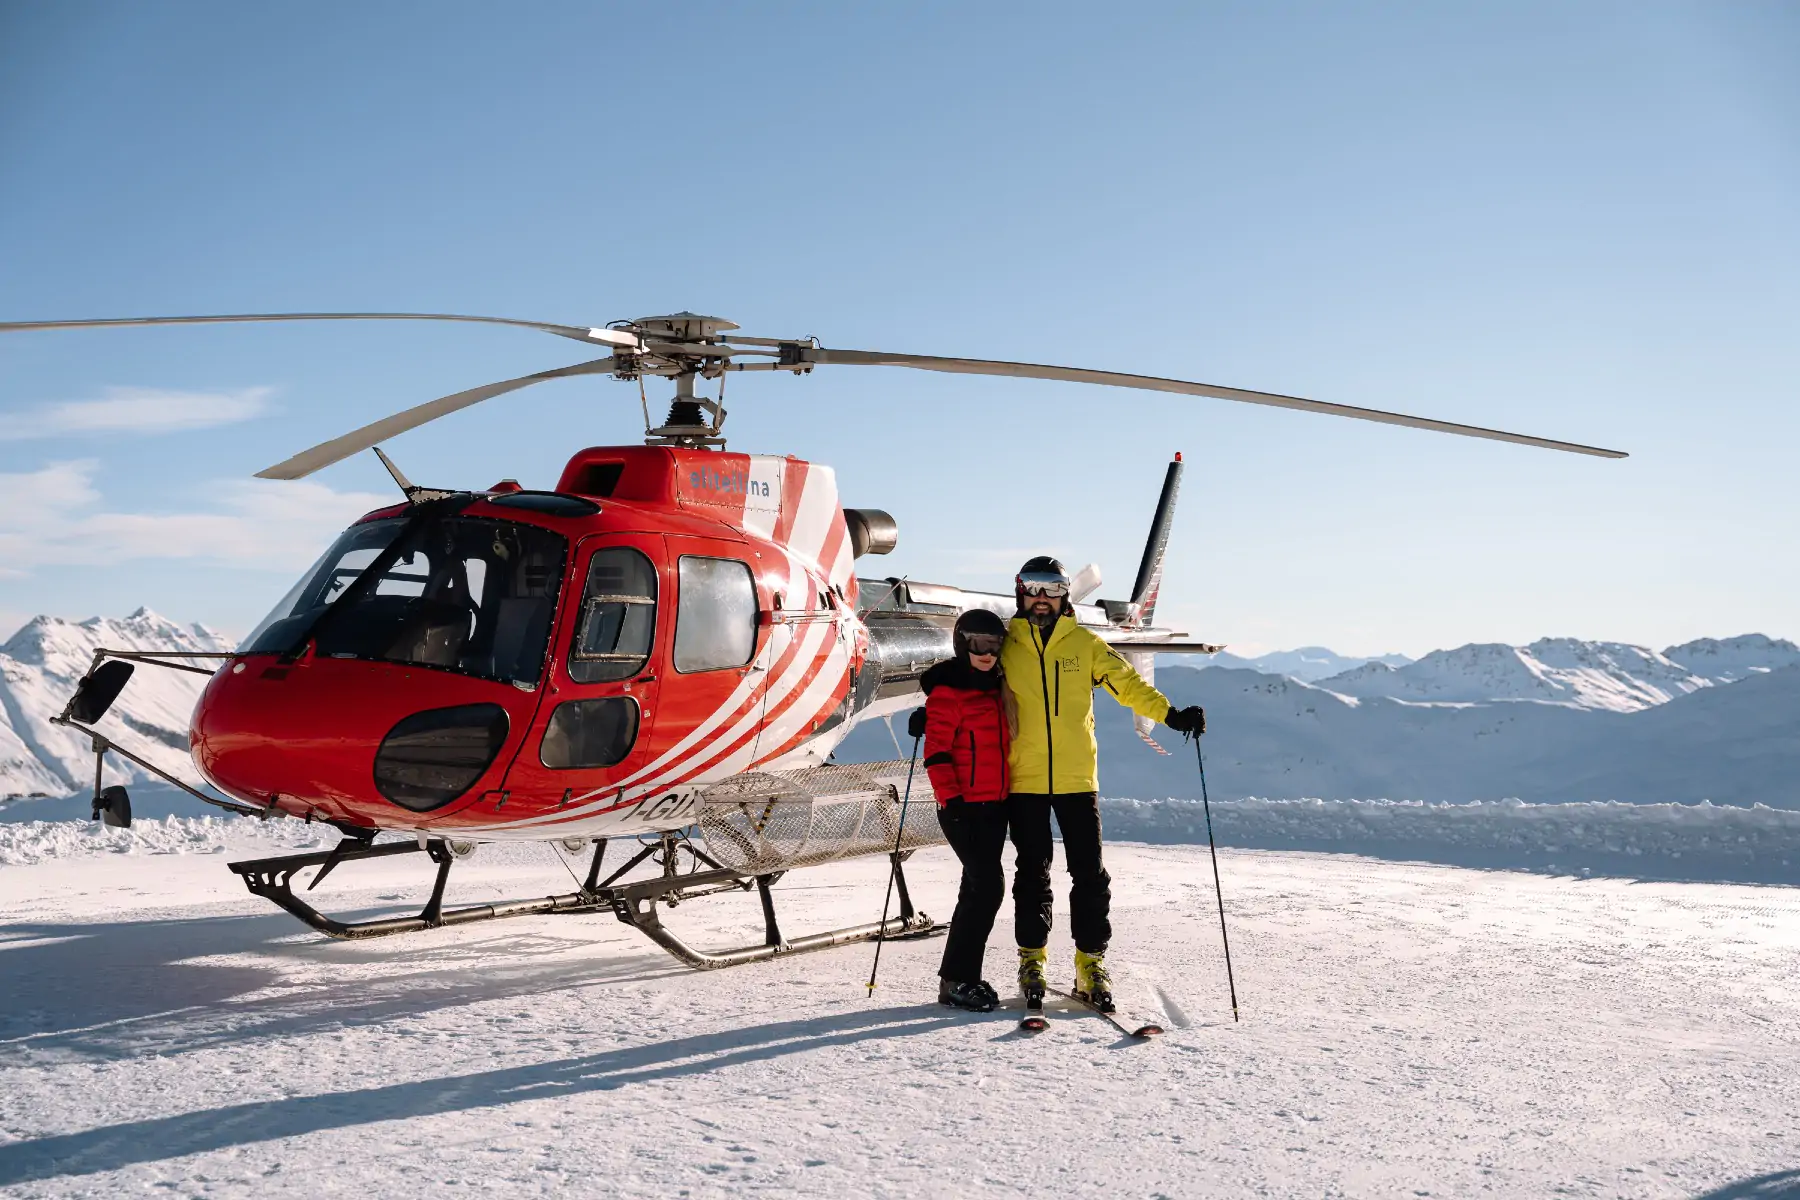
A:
(967, 733)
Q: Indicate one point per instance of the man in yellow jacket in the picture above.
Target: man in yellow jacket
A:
(1052, 666)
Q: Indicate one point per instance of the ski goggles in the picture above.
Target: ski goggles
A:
(984, 643)
(1043, 583)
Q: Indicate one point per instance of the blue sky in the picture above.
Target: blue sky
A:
(1580, 221)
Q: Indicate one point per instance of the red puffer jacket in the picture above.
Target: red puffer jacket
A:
(966, 735)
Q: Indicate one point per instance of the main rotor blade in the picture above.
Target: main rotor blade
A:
(358, 440)
(607, 337)
(1152, 383)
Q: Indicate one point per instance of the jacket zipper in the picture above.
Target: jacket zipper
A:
(972, 762)
(1043, 644)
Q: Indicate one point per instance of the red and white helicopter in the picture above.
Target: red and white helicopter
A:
(672, 640)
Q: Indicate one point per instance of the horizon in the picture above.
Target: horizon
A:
(9, 630)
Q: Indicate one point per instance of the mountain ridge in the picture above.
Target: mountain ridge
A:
(1310, 663)
(1614, 676)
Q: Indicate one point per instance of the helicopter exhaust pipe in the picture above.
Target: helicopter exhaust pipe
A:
(871, 531)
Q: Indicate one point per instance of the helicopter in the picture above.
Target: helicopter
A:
(667, 646)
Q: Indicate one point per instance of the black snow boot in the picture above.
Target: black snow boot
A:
(979, 996)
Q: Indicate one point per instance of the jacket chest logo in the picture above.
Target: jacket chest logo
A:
(1070, 663)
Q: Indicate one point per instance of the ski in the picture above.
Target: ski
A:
(1124, 1025)
(1033, 1021)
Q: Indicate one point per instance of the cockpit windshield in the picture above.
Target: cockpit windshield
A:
(459, 593)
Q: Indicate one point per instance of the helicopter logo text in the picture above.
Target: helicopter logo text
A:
(735, 483)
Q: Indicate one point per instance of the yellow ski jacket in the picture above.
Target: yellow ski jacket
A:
(1052, 684)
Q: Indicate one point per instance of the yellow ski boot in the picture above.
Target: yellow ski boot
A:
(1092, 983)
(1032, 984)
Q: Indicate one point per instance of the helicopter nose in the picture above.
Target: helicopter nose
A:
(372, 743)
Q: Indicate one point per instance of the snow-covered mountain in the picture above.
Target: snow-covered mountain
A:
(1310, 663)
(1731, 659)
(39, 667)
(1611, 676)
(1281, 738)
(1737, 744)
(1560, 719)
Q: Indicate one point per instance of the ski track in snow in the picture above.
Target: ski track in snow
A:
(1408, 1030)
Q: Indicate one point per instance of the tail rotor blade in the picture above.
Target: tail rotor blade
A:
(982, 366)
(358, 440)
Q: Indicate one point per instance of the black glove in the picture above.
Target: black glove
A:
(1189, 721)
(915, 723)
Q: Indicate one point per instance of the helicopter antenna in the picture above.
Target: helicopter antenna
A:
(414, 493)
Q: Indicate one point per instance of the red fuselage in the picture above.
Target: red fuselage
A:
(534, 665)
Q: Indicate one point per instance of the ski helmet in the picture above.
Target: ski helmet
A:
(1044, 571)
(981, 624)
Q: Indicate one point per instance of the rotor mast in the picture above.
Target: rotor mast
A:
(686, 347)
(687, 423)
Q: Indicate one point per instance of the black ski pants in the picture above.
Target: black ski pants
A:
(1090, 887)
(977, 832)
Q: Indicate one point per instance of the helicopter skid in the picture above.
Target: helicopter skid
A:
(635, 903)
(272, 879)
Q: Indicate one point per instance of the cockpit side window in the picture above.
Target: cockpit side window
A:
(618, 617)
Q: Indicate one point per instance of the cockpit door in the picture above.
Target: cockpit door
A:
(595, 729)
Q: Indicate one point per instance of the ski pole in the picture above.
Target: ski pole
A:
(893, 866)
(1218, 889)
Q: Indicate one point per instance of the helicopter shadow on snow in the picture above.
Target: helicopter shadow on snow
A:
(119, 989)
(114, 1147)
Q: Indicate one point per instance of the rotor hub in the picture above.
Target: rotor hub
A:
(680, 327)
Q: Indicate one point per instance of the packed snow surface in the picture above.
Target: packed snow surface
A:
(1407, 1029)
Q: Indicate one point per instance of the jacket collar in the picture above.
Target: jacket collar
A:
(1063, 625)
(956, 673)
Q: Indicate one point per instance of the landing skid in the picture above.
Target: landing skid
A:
(636, 903)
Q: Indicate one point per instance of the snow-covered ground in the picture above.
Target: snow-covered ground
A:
(1407, 1029)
